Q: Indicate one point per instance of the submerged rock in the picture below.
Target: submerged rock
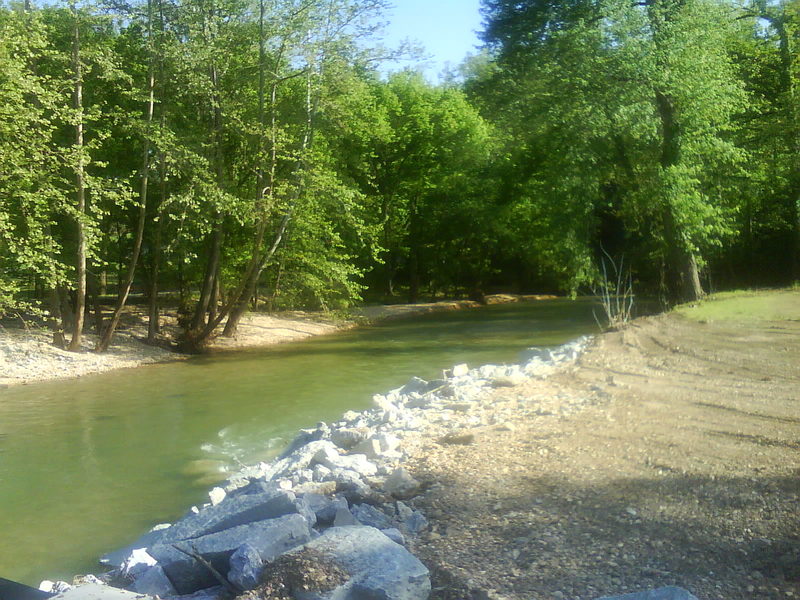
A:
(118, 557)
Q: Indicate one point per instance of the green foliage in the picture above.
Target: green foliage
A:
(666, 131)
(619, 111)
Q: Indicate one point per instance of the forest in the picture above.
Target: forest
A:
(228, 155)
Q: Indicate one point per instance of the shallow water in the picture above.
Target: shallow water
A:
(87, 465)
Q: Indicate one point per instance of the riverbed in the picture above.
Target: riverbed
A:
(88, 464)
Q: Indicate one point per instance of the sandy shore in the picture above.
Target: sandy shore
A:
(27, 354)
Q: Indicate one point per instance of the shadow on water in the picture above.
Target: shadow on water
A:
(502, 329)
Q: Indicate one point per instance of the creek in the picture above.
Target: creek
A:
(87, 465)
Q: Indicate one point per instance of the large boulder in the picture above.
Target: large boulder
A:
(234, 511)
(347, 437)
(417, 386)
(410, 520)
(269, 538)
(118, 557)
(367, 514)
(153, 582)
(324, 507)
(382, 445)
(376, 566)
(96, 591)
(246, 566)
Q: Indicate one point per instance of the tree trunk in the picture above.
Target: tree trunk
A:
(153, 323)
(796, 253)
(56, 325)
(93, 289)
(253, 272)
(214, 252)
(216, 293)
(122, 299)
(198, 338)
(153, 326)
(80, 186)
(240, 307)
(683, 275)
(414, 253)
(684, 281)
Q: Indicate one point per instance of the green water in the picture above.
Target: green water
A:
(87, 465)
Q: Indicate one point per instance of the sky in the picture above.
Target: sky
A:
(446, 28)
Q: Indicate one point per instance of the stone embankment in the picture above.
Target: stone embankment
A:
(333, 517)
(337, 504)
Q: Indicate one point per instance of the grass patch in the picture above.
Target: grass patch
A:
(746, 305)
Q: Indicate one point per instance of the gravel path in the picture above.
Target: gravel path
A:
(669, 455)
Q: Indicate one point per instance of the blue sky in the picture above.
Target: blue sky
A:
(446, 28)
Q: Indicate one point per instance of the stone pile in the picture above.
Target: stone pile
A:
(339, 492)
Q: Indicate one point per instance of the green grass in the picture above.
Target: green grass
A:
(746, 305)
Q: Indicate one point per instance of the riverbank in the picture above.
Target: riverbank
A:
(27, 354)
(677, 464)
(666, 454)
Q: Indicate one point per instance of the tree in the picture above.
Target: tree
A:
(629, 107)
(30, 178)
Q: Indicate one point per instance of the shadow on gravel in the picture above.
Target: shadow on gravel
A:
(758, 440)
(731, 538)
(746, 413)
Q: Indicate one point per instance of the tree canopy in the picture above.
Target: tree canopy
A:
(216, 153)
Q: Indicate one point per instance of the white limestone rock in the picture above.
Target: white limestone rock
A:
(216, 495)
(153, 582)
(401, 484)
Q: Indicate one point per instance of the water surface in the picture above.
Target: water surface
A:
(86, 465)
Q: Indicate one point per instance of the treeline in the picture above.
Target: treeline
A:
(225, 150)
(662, 131)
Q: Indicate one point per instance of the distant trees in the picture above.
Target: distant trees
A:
(226, 151)
(428, 152)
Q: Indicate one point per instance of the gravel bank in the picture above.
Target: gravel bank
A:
(668, 455)
(27, 356)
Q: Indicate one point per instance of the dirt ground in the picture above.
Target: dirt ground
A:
(669, 455)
